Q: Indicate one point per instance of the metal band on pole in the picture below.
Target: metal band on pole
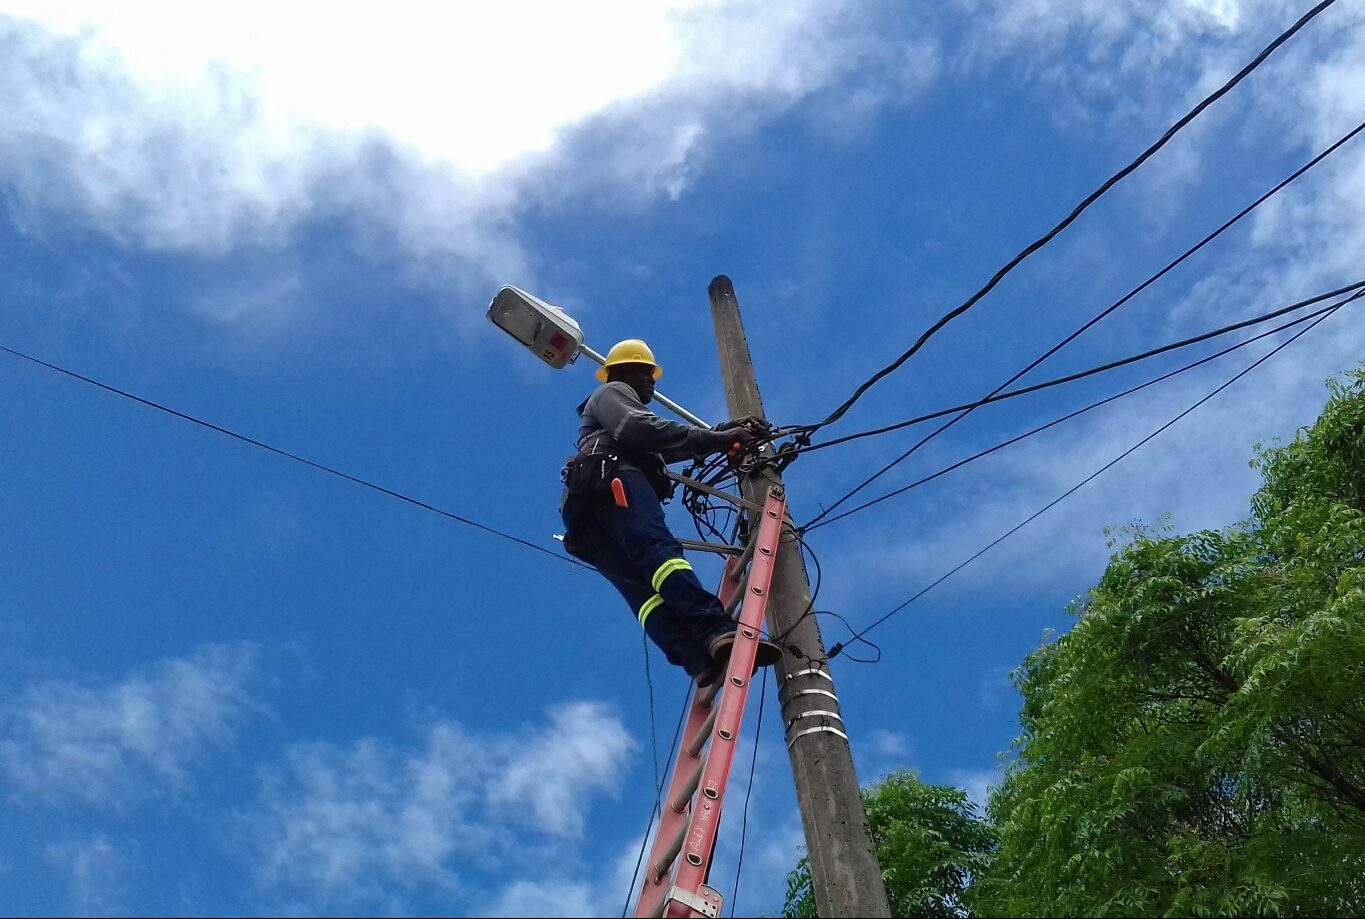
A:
(815, 713)
(823, 729)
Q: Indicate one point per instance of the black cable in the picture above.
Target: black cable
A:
(998, 396)
(1067, 417)
(285, 453)
(840, 646)
(1076, 212)
(805, 548)
(704, 511)
(350, 478)
(744, 821)
(1105, 312)
(653, 721)
(307, 462)
(1069, 492)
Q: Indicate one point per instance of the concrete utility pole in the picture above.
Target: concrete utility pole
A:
(843, 865)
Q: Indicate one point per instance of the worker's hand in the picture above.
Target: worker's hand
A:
(727, 438)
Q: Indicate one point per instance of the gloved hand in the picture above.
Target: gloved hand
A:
(724, 439)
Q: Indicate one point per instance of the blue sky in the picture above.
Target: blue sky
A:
(231, 684)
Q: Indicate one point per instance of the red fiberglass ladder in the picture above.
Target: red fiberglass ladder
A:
(674, 886)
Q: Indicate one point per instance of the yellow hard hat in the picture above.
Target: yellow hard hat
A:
(630, 351)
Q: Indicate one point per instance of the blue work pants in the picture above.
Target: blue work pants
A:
(633, 548)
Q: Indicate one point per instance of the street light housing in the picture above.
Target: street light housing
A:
(551, 335)
(544, 330)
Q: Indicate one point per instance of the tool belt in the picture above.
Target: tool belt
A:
(593, 474)
(590, 474)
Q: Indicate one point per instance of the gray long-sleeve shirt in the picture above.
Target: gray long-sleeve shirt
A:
(614, 420)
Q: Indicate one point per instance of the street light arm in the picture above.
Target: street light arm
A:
(659, 397)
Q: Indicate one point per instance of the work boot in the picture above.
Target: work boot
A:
(767, 654)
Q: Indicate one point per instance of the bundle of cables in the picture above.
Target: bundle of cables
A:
(712, 517)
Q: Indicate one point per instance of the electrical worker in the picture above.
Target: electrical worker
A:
(614, 518)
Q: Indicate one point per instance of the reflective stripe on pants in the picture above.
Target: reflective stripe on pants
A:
(667, 568)
(649, 606)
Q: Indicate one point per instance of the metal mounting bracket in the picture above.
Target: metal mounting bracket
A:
(717, 547)
(712, 491)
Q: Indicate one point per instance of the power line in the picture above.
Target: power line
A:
(841, 646)
(999, 396)
(653, 721)
(799, 536)
(293, 456)
(1093, 405)
(1105, 312)
(1069, 219)
(1069, 492)
(307, 462)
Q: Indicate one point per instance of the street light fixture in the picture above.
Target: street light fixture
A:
(546, 331)
(553, 336)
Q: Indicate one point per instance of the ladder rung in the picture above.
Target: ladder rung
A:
(703, 733)
(733, 603)
(670, 854)
(680, 802)
(742, 580)
(737, 597)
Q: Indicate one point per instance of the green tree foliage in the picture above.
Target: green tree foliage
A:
(930, 844)
(1195, 745)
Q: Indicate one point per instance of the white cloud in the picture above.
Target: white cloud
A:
(625, 875)
(1127, 38)
(437, 129)
(97, 872)
(111, 745)
(553, 771)
(178, 128)
(891, 744)
(345, 821)
(977, 784)
(1196, 471)
(470, 86)
(1137, 65)
(772, 847)
(1116, 73)
(361, 825)
(558, 897)
(780, 847)
(996, 687)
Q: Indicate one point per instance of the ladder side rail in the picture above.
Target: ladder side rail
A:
(653, 886)
(692, 868)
